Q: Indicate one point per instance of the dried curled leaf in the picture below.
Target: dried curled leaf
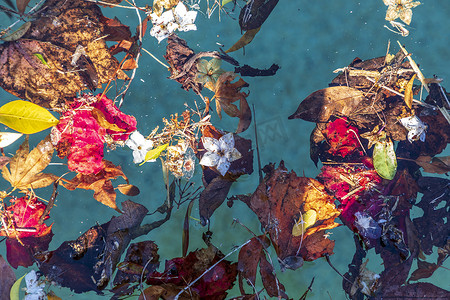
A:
(336, 100)
(246, 39)
(25, 167)
(56, 32)
(227, 93)
(100, 183)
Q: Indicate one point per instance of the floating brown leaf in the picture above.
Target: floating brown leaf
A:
(100, 183)
(128, 189)
(336, 100)
(438, 165)
(22, 5)
(25, 167)
(246, 39)
(280, 200)
(7, 278)
(227, 93)
(39, 66)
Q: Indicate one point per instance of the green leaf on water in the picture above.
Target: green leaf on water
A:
(305, 221)
(154, 153)
(225, 2)
(26, 117)
(14, 292)
(384, 159)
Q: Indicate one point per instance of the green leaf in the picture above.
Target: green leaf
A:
(14, 292)
(26, 117)
(384, 159)
(154, 153)
(304, 222)
(41, 58)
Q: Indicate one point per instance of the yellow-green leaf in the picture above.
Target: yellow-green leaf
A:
(41, 58)
(384, 159)
(26, 117)
(305, 221)
(14, 292)
(17, 34)
(155, 153)
(226, 2)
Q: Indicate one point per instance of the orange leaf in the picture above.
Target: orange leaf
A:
(409, 92)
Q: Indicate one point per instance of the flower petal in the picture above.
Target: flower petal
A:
(210, 144)
(210, 159)
(233, 155)
(223, 165)
(226, 142)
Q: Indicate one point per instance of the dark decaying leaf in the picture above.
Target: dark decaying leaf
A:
(423, 290)
(279, 202)
(55, 34)
(217, 186)
(7, 278)
(432, 226)
(247, 70)
(87, 263)
(255, 13)
(177, 55)
(182, 271)
(128, 189)
(273, 287)
(131, 269)
(212, 197)
(337, 100)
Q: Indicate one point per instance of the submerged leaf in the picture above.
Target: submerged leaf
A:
(26, 117)
(384, 159)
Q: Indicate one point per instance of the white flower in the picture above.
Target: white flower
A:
(416, 128)
(163, 26)
(140, 146)
(179, 18)
(220, 153)
(34, 288)
(185, 18)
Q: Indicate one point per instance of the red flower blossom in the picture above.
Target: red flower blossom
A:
(82, 132)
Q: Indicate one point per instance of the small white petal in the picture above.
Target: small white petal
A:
(233, 155)
(7, 138)
(210, 159)
(416, 128)
(180, 10)
(187, 27)
(223, 166)
(210, 144)
(226, 142)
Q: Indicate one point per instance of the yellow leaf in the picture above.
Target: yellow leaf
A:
(155, 153)
(101, 120)
(409, 92)
(244, 40)
(26, 117)
(304, 222)
(25, 166)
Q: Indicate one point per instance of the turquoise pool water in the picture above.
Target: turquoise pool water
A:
(308, 40)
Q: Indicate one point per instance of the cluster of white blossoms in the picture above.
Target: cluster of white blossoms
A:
(178, 18)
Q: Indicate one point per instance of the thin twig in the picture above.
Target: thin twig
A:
(50, 203)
